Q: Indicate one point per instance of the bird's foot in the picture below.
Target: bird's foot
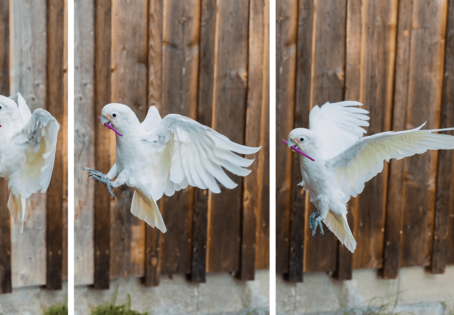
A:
(100, 177)
(315, 221)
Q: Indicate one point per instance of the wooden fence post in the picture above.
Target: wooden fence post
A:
(103, 25)
(55, 104)
(155, 30)
(5, 218)
(445, 157)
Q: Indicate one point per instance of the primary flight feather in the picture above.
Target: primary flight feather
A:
(163, 155)
(344, 160)
(27, 151)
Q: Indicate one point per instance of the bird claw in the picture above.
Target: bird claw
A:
(100, 177)
(314, 223)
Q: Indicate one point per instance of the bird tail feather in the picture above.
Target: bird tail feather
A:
(148, 211)
(17, 208)
(339, 226)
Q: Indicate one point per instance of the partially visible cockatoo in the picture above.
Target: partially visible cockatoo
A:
(163, 155)
(27, 151)
(343, 160)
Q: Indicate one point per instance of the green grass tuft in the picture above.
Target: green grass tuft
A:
(58, 309)
(112, 309)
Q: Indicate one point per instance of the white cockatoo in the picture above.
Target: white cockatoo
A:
(336, 160)
(27, 151)
(163, 155)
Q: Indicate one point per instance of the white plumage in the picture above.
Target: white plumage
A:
(161, 156)
(27, 151)
(345, 160)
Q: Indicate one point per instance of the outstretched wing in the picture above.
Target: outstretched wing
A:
(25, 112)
(338, 125)
(188, 153)
(40, 139)
(362, 161)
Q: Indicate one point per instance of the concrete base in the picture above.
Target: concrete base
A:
(221, 294)
(31, 301)
(414, 292)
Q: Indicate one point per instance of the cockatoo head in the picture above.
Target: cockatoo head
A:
(302, 138)
(9, 112)
(120, 117)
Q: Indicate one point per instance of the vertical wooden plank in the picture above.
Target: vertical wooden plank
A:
(450, 240)
(378, 19)
(155, 29)
(301, 119)
(130, 87)
(102, 219)
(55, 104)
(28, 76)
(84, 141)
(286, 41)
(65, 142)
(262, 260)
(253, 183)
(229, 105)
(425, 87)
(344, 268)
(327, 85)
(207, 60)
(393, 223)
(180, 86)
(67, 220)
(445, 157)
(5, 218)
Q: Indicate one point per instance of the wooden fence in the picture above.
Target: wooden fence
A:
(33, 62)
(397, 58)
(205, 59)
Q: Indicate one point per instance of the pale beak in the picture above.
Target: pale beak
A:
(294, 148)
(291, 143)
(104, 120)
(106, 123)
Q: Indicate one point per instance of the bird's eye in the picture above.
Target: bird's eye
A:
(301, 139)
(1, 107)
(114, 115)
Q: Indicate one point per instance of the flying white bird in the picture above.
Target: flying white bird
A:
(161, 156)
(340, 160)
(27, 151)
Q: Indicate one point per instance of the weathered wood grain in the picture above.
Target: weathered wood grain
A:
(425, 87)
(84, 140)
(262, 258)
(393, 224)
(286, 41)
(180, 88)
(300, 119)
(344, 268)
(28, 77)
(207, 60)
(55, 105)
(129, 87)
(5, 218)
(155, 43)
(102, 79)
(445, 170)
(378, 21)
(253, 183)
(328, 85)
(229, 106)
(450, 239)
(65, 142)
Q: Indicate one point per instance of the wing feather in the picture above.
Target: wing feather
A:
(338, 125)
(365, 159)
(40, 136)
(197, 156)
